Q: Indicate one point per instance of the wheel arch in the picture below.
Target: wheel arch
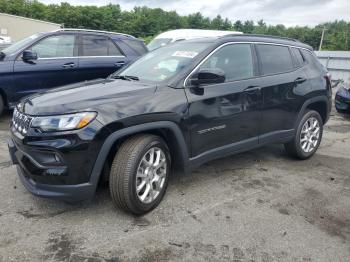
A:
(168, 130)
(4, 97)
(319, 104)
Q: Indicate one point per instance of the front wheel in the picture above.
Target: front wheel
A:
(139, 174)
(308, 136)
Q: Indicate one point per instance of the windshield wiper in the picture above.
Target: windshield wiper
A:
(124, 77)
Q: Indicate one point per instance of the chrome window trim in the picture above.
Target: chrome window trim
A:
(79, 30)
(71, 57)
(233, 43)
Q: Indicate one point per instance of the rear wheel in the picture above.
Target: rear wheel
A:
(308, 136)
(2, 105)
(139, 174)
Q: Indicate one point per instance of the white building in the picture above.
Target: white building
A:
(18, 27)
(337, 63)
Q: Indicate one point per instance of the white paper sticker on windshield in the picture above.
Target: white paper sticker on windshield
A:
(188, 54)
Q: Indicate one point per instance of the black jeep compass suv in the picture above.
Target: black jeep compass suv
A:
(174, 108)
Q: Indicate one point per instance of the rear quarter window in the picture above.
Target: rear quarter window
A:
(312, 60)
(298, 58)
(274, 59)
(136, 45)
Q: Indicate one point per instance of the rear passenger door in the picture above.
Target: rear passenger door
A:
(99, 57)
(282, 84)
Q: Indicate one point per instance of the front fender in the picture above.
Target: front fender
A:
(113, 137)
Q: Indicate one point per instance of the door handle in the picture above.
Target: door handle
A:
(252, 89)
(121, 63)
(300, 80)
(68, 65)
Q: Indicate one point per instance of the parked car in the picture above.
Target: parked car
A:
(5, 40)
(342, 98)
(66, 56)
(172, 36)
(173, 109)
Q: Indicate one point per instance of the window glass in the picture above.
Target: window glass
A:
(235, 60)
(158, 42)
(137, 45)
(163, 63)
(312, 59)
(275, 59)
(298, 58)
(113, 50)
(55, 46)
(93, 45)
(20, 44)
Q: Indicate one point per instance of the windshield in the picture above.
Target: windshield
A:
(163, 63)
(19, 45)
(158, 42)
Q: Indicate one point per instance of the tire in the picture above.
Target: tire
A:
(305, 149)
(131, 168)
(2, 105)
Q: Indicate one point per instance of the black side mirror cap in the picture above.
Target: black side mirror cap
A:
(207, 76)
(29, 55)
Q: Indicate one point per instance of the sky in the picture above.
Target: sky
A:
(287, 12)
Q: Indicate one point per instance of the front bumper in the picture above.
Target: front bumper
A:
(70, 193)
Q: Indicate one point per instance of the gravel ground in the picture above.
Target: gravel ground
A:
(256, 206)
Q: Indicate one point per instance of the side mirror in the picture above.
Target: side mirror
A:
(29, 56)
(207, 76)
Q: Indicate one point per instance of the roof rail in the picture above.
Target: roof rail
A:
(93, 31)
(264, 36)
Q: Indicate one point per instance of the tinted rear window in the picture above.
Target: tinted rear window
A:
(274, 59)
(137, 45)
(298, 58)
(312, 60)
(93, 45)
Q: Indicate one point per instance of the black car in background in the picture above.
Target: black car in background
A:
(342, 99)
(175, 108)
(47, 60)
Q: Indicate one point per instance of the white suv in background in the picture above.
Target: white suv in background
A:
(168, 37)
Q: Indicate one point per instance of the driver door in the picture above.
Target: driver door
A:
(56, 66)
(226, 116)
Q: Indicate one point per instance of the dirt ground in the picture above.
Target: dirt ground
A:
(256, 206)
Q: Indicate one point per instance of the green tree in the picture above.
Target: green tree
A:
(147, 22)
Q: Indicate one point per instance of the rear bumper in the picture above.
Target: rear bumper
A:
(69, 193)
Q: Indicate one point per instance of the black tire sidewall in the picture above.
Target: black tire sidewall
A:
(300, 152)
(2, 105)
(157, 142)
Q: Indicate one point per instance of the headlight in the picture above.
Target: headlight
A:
(63, 122)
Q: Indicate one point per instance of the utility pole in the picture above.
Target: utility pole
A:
(323, 30)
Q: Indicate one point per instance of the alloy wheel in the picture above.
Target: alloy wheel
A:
(151, 175)
(310, 135)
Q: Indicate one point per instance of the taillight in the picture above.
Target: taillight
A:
(329, 77)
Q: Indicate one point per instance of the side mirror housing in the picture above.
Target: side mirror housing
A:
(207, 76)
(29, 55)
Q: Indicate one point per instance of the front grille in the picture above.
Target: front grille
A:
(21, 122)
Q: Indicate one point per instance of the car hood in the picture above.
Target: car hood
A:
(83, 96)
(343, 92)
